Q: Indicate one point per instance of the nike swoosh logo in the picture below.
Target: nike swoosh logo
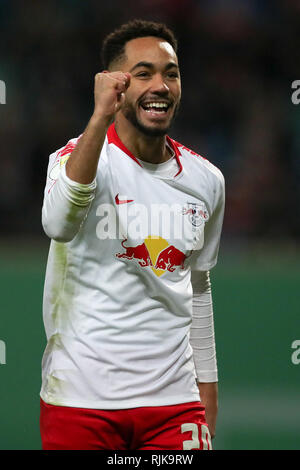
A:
(122, 201)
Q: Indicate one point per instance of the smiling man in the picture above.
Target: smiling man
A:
(135, 220)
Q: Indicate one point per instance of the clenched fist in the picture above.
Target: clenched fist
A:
(109, 93)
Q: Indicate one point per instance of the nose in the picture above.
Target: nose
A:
(158, 85)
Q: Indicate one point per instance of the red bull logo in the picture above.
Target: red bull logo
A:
(156, 253)
(139, 252)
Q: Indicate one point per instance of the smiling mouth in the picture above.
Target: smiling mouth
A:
(158, 108)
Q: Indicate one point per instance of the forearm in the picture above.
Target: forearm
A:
(83, 162)
(209, 398)
(109, 96)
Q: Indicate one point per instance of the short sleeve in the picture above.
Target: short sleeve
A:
(206, 258)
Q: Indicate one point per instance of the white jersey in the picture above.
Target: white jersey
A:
(118, 297)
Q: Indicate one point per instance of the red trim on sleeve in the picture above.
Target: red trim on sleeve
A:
(189, 150)
(68, 149)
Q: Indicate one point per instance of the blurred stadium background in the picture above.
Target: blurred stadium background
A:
(238, 60)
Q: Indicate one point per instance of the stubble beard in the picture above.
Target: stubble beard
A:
(131, 115)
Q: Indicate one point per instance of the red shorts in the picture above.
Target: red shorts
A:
(175, 427)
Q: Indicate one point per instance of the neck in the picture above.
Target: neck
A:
(146, 148)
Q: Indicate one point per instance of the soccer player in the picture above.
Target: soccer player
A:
(135, 220)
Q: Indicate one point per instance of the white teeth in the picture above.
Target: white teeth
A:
(156, 105)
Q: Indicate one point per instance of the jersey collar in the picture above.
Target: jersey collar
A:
(113, 138)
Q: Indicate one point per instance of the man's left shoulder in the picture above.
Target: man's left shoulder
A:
(196, 160)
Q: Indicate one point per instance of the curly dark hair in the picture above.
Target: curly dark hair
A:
(113, 47)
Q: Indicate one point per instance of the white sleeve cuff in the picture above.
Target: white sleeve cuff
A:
(78, 193)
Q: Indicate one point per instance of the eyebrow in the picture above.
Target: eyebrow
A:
(149, 65)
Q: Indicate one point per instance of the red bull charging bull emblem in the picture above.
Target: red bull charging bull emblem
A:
(156, 253)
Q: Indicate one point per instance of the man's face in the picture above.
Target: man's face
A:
(154, 93)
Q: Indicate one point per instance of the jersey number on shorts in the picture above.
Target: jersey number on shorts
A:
(194, 442)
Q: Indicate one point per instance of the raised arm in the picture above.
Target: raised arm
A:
(109, 97)
(71, 179)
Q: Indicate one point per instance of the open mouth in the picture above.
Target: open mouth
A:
(156, 107)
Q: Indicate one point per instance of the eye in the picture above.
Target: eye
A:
(172, 75)
(143, 74)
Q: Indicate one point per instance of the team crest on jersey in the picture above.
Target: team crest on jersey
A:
(196, 212)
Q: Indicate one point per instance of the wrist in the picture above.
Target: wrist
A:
(100, 119)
